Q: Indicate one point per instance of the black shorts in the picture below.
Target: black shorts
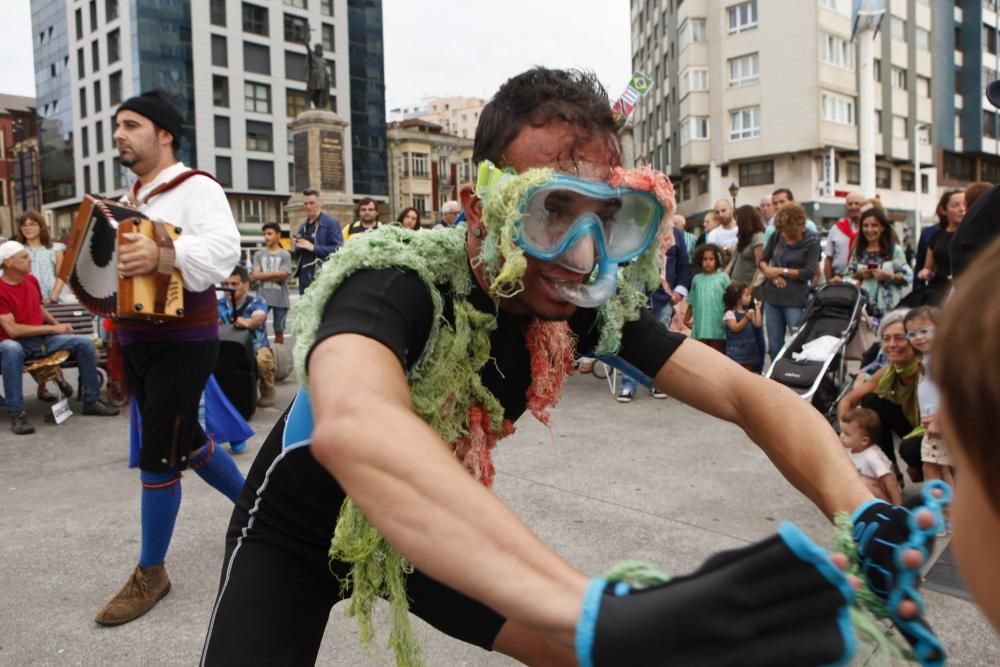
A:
(167, 380)
(278, 585)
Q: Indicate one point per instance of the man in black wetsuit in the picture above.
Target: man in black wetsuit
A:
(363, 430)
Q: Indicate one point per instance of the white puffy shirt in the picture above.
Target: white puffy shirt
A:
(209, 244)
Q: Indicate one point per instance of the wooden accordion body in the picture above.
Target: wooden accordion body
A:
(90, 264)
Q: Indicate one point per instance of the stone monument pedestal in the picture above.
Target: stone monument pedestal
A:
(318, 139)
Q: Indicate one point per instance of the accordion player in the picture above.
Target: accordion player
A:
(90, 266)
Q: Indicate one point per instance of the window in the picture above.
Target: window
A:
(224, 171)
(906, 180)
(990, 171)
(295, 102)
(79, 23)
(257, 97)
(259, 137)
(117, 173)
(694, 80)
(97, 96)
(99, 136)
(95, 56)
(696, 127)
(220, 91)
(255, 19)
(899, 78)
(85, 141)
(837, 109)
(115, 88)
(989, 76)
(101, 183)
(839, 6)
(250, 210)
(256, 58)
(959, 167)
(743, 16)
(898, 28)
(420, 164)
(220, 55)
(690, 31)
(329, 41)
(295, 66)
(298, 4)
(86, 179)
(217, 12)
(260, 174)
(923, 86)
(744, 123)
(80, 64)
(326, 7)
(990, 39)
(757, 173)
(93, 15)
(923, 39)
(114, 46)
(296, 29)
(686, 189)
(83, 103)
(222, 135)
(883, 177)
(420, 203)
(989, 124)
(838, 52)
(900, 127)
(744, 69)
(853, 173)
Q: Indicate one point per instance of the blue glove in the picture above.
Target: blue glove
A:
(779, 601)
(884, 533)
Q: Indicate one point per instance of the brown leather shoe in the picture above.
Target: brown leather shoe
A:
(141, 592)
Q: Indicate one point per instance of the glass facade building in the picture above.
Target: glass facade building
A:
(54, 99)
(370, 164)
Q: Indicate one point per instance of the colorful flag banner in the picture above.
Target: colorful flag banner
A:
(622, 109)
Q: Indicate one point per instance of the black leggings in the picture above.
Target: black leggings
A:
(894, 421)
(278, 584)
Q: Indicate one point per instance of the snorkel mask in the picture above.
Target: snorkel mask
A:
(576, 223)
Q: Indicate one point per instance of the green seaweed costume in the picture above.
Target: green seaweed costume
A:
(445, 385)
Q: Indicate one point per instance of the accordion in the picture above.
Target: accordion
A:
(90, 265)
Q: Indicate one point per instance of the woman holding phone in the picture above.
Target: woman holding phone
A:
(879, 264)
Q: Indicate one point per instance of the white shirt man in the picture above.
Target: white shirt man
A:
(841, 238)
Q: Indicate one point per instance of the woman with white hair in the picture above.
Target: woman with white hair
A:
(891, 391)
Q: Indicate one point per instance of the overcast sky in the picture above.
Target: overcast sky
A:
(440, 47)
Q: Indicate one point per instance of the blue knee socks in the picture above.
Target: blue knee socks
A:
(161, 499)
(217, 468)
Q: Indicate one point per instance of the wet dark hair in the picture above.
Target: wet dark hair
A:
(747, 224)
(537, 97)
(731, 297)
(886, 240)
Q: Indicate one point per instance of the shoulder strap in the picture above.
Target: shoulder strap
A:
(174, 182)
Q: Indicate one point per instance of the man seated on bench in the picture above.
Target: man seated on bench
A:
(29, 331)
(245, 311)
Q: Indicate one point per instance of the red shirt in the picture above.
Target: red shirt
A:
(24, 301)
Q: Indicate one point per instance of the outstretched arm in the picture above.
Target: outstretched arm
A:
(404, 478)
(792, 433)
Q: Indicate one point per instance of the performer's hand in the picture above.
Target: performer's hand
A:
(62, 328)
(881, 530)
(304, 245)
(138, 256)
(780, 601)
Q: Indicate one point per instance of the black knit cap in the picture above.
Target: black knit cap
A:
(158, 107)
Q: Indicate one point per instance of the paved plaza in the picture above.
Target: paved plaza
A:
(650, 480)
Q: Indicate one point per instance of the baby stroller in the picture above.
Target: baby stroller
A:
(820, 375)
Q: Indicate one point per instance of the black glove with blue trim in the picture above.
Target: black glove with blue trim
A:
(883, 533)
(781, 601)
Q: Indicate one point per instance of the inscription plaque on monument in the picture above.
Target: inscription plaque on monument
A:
(301, 156)
(331, 160)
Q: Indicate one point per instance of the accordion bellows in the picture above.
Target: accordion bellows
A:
(90, 265)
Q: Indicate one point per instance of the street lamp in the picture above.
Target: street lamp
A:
(733, 191)
(917, 180)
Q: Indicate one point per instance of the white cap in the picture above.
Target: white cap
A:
(9, 249)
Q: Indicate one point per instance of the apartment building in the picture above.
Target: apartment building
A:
(236, 69)
(762, 94)
(968, 134)
(427, 167)
(457, 116)
(19, 182)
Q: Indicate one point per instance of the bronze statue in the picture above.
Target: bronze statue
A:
(317, 76)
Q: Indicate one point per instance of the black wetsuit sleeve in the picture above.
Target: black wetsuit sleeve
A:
(646, 343)
(391, 306)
